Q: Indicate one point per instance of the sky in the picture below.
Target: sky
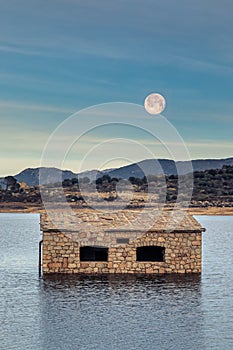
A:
(58, 57)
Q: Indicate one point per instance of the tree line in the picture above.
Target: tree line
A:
(208, 185)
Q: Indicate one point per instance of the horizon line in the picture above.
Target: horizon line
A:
(94, 169)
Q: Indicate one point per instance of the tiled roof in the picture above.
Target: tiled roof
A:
(122, 220)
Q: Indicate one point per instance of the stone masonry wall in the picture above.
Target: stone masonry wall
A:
(61, 254)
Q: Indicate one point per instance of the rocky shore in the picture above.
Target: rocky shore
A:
(34, 209)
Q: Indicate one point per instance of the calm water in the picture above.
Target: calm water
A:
(172, 312)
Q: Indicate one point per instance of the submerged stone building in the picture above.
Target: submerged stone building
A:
(101, 246)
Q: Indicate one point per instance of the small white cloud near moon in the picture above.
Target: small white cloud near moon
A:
(154, 103)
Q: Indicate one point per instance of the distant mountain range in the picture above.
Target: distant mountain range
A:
(149, 166)
(168, 167)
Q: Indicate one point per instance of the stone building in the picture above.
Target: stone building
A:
(102, 245)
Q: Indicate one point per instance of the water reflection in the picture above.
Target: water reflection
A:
(116, 311)
(145, 286)
(122, 311)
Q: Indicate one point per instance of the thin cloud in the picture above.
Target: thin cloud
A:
(19, 50)
(211, 144)
(27, 106)
(203, 65)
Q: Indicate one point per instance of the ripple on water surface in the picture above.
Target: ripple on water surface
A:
(113, 312)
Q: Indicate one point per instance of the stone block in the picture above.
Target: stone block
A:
(196, 243)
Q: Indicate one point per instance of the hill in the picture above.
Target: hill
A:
(212, 187)
(168, 167)
(149, 166)
(30, 176)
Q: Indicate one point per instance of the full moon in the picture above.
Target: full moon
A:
(155, 103)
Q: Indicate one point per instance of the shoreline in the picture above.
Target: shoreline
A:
(32, 209)
(212, 211)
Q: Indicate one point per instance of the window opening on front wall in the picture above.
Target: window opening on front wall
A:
(150, 253)
(88, 253)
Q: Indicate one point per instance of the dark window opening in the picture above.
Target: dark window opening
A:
(93, 254)
(151, 253)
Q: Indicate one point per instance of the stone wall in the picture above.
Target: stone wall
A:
(61, 254)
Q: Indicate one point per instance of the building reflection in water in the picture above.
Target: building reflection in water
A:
(122, 311)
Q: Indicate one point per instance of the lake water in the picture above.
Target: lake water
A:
(120, 313)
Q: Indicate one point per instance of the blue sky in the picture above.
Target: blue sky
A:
(57, 57)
